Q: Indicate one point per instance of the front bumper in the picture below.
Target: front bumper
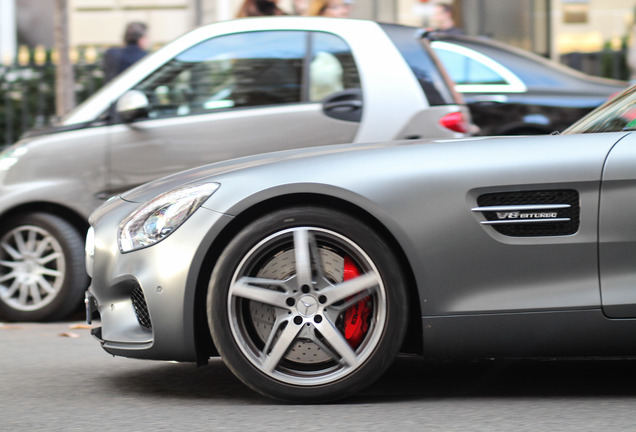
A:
(146, 298)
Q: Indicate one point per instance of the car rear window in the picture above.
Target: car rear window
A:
(424, 64)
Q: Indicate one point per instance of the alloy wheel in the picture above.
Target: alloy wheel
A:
(32, 268)
(292, 306)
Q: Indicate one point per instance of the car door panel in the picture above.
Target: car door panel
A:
(499, 271)
(155, 148)
(617, 231)
(232, 96)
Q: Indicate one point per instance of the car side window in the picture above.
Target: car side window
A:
(474, 72)
(232, 71)
(465, 70)
(332, 68)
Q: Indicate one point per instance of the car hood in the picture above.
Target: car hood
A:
(206, 173)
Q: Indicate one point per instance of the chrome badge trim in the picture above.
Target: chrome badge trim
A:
(521, 214)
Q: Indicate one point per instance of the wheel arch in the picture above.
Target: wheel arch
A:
(204, 344)
(76, 220)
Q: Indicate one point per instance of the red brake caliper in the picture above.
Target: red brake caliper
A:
(356, 318)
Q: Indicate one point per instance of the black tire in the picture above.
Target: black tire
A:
(42, 272)
(288, 332)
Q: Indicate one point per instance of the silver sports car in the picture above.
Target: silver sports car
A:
(309, 270)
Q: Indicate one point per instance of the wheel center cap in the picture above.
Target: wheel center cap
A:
(307, 306)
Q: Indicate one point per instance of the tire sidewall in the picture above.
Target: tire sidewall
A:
(374, 247)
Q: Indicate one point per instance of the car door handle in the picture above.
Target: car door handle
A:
(347, 105)
(344, 105)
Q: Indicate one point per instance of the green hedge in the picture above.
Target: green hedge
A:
(27, 95)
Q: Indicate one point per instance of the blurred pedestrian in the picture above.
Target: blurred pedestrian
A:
(631, 57)
(326, 71)
(118, 59)
(300, 7)
(331, 8)
(259, 8)
(443, 21)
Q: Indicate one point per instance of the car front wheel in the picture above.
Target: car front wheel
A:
(307, 305)
(42, 274)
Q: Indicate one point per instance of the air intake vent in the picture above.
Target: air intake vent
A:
(531, 213)
(141, 308)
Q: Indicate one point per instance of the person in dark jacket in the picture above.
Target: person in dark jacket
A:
(116, 60)
(443, 21)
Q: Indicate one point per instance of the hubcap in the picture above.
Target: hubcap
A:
(288, 299)
(307, 306)
(31, 268)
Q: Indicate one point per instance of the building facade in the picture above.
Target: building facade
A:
(548, 27)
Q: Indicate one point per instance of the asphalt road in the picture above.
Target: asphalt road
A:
(55, 377)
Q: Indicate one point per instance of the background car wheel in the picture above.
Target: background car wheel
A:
(42, 274)
(307, 305)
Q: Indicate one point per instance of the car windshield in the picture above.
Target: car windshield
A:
(616, 115)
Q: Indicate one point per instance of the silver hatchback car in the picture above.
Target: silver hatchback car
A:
(225, 90)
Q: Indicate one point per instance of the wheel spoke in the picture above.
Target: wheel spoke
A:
(12, 289)
(45, 285)
(352, 288)
(50, 257)
(278, 347)
(256, 289)
(338, 342)
(315, 256)
(303, 257)
(42, 246)
(10, 264)
(31, 242)
(327, 349)
(272, 335)
(24, 294)
(8, 276)
(50, 272)
(20, 244)
(35, 292)
(11, 251)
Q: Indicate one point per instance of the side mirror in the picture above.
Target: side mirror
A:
(132, 105)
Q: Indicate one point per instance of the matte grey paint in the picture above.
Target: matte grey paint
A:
(472, 281)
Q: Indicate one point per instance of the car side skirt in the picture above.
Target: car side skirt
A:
(577, 333)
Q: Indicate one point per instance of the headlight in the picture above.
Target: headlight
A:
(89, 249)
(10, 156)
(159, 218)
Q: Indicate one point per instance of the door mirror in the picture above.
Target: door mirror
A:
(132, 105)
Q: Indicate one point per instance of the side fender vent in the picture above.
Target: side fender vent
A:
(543, 213)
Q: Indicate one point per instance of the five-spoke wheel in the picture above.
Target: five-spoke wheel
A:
(307, 304)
